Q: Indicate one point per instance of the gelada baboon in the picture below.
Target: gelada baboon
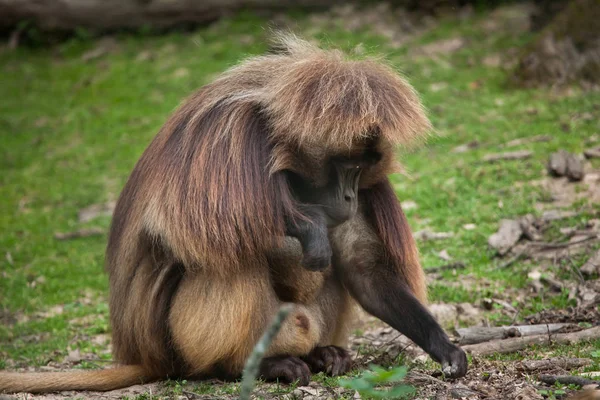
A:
(198, 257)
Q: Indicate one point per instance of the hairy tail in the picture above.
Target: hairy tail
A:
(99, 380)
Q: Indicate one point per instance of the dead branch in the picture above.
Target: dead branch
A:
(477, 334)
(549, 245)
(520, 255)
(113, 15)
(553, 363)
(445, 267)
(532, 139)
(553, 215)
(419, 378)
(519, 343)
(463, 392)
(567, 380)
(509, 155)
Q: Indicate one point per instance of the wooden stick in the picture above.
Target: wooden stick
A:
(424, 379)
(549, 246)
(478, 334)
(567, 380)
(455, 265)
(519, 343)
(511, 155)
(513, 260)
(553, 363)
(531, 139)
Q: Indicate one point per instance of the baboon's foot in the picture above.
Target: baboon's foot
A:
(332, 360)
(285, 368)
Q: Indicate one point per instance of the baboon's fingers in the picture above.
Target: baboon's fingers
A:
(316, 262)
(332, 360)
(455, 365)
(285, 368)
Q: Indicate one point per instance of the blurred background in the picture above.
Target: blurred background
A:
(503, 199)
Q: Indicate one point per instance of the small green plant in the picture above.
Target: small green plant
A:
(367, 383)
(552, 394)
(177, 387)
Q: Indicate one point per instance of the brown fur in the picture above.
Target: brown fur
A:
(291, 282)
(391, 227)
(205, 206)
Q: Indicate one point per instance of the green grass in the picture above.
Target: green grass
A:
(71, 131)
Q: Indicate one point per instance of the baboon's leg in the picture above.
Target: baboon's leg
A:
(327, 301)
(139, 313)
(291, 281)
(215, 323)
(335, 309)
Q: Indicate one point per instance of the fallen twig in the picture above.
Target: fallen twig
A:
(553, 215)
(567, 380)
(513, 259)
(550, 245)
(525, 140)
(426, 234)
(192, 395)
(81, 233)
(445, 267)
(510, 155)
(553, 363)
(463, 392)
(419, 378)
(519, 343)
(478, 334)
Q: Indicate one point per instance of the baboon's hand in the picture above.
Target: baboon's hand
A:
(317, 260)
(454, 363)
(332, 360)
(285, 368)
(317, 256)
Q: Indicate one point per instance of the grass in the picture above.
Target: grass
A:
(71, 131)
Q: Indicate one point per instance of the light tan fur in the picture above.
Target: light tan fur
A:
(292, 282)
(191, 285)
(234, 313)
(101, 380)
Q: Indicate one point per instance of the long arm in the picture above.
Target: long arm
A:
(382, 293)
(375, 258)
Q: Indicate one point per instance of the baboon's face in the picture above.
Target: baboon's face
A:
(339, 196)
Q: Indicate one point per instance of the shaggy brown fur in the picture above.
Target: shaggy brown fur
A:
(192, 279)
